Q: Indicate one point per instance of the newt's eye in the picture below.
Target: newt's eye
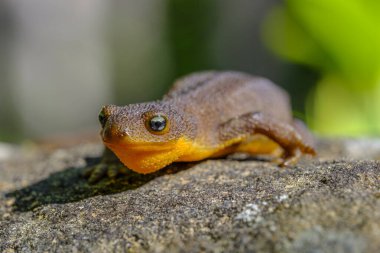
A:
(157, 124)
(102, 118)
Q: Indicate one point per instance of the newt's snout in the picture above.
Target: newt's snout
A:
(110, 131)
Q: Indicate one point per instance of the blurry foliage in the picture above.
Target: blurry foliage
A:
(140, 56)
(179, 43)
(341, 39)
(147, 45)
(10, 123)
(190, 24)
(195, 45)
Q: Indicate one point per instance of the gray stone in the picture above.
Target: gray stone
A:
(327, 204)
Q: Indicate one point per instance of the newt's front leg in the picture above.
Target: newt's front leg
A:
(291, 140)
(109, 166)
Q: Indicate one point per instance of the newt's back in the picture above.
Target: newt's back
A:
(215, 97)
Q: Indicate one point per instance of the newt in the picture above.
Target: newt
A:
(204, 115)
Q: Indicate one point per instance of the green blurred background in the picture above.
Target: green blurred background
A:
(62, 60)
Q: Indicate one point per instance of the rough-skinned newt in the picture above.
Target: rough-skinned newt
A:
(204, 115)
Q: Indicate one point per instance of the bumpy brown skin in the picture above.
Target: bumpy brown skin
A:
(220, 112)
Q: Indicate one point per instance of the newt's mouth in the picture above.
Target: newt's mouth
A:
(140, 146)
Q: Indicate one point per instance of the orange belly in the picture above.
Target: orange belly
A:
(148, 158)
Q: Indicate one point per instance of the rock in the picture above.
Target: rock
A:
(329, 204)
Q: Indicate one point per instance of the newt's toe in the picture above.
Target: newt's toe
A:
(98, 172)
(113, 171)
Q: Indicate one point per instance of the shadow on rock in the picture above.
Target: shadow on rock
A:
(69, 185)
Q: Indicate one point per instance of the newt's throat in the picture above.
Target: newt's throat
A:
(148, 157)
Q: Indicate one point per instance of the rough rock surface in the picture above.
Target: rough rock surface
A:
(329, 204)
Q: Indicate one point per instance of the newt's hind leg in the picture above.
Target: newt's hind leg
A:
(260, 145)
(284, 134)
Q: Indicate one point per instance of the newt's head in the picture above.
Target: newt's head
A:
(146, 137)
